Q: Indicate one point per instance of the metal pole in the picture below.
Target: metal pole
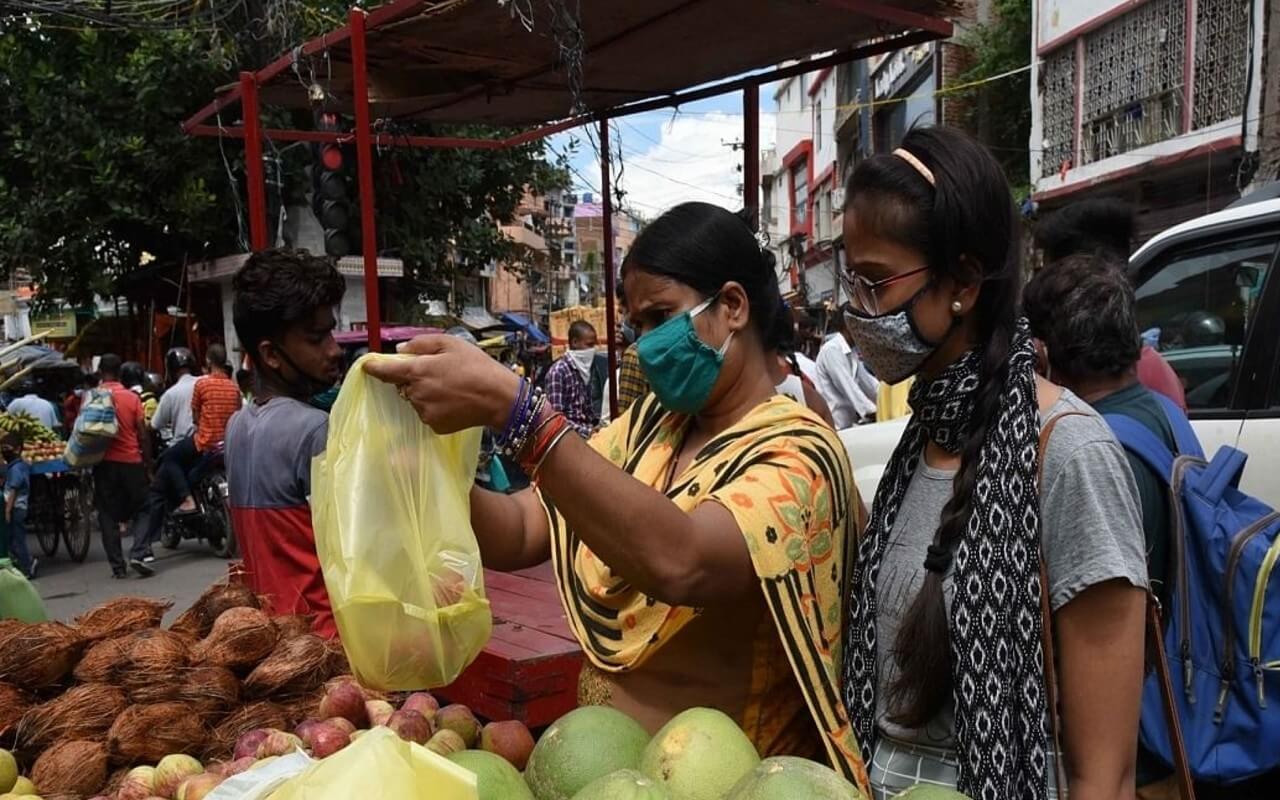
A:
(751, 154)
(364, 168)
(606, 205)
(253, 162)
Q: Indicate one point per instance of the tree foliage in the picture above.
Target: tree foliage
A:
(94, 170)
(1001, 110)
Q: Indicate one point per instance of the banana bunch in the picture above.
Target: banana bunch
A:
(28, 427)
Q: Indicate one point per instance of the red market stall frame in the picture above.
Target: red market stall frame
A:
(662, 53)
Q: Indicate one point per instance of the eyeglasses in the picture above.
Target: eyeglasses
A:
(863, 293)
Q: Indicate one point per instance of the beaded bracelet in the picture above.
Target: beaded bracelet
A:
(515, 411)
(527, 414)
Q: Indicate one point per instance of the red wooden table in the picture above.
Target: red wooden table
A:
(529, 669)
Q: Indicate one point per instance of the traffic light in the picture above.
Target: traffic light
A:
(330, 198)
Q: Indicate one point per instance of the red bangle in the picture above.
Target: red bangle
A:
(547, 432)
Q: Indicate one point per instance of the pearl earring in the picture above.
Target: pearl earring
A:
(956, 307)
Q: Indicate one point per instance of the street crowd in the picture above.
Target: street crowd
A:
(979, 622)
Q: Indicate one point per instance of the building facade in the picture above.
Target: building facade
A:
(1156, 102)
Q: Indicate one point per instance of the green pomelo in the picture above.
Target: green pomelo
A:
(699, 755)
(583, 745)
(625, 784)
(496, 779)
(923, 791)
(786, 777)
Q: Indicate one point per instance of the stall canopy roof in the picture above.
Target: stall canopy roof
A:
(486, 61)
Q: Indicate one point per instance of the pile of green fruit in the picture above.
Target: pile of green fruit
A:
(597, 753)
(39, 443)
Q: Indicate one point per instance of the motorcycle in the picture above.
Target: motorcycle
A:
(211, 520)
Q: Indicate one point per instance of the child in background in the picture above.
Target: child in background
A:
(17, 491)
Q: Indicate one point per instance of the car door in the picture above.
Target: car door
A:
(1208, 302)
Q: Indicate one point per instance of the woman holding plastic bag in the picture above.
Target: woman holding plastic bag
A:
(699, 541)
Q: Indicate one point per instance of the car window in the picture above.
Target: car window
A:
(1195, 306)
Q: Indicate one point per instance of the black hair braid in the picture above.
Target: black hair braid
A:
(924, 684)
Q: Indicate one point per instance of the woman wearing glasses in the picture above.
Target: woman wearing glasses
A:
(944, 666)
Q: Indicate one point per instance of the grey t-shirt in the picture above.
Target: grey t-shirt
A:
(1090, 525)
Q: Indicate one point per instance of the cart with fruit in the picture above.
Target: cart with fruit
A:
(61, 502)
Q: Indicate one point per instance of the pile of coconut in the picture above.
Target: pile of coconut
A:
(82, 704)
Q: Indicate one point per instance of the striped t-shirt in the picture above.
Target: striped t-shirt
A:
(215, 398)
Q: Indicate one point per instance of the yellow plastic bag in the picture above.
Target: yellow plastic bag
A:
(381, 764)
(390, 502)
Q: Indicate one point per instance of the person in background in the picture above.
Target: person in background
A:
(33, 405)
(120, 479)
(806, 327)
(134, 377)
(283, 317)
(788, 378)
(632, 384)
(1104, 226)
(945, 675)
(845, 382)
(72, 402)
(1081, 309)
(213, 401)
(17, 493)
(172, 419)
(568, 382)
(892, 400)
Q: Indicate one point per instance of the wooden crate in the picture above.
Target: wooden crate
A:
(529, 669)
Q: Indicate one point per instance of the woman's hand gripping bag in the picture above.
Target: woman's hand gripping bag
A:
(391, 507)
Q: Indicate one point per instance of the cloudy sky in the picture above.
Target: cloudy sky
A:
(669, 157)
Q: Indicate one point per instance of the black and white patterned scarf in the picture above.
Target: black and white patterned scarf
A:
(1001, 728)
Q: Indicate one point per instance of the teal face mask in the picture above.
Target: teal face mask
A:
(681, 368)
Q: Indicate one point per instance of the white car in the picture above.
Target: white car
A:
(1208, 294)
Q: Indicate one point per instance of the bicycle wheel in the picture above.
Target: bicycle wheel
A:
(43, 523)
(77, 519)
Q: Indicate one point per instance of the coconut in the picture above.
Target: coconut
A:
(241, 637)
(103, 661)
(40, 655)
(151, 732)
(71, 767)
(338, 663)
(291, 625)
(121, 615)
(172, 770)
(253, 716)
(209, 689)
(157, 661)
(295, 666)
(198, 620)
(14, 704)
(82, 712)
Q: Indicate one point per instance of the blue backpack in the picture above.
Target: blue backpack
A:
(1222, 627)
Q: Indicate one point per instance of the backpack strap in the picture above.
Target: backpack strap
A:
(1155, 638)
(1184, 436)
(1154, 631)
(1046, 621)
(1138, 439)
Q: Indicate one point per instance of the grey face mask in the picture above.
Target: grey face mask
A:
(890, 343)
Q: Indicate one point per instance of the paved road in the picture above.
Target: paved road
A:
(181, 575)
